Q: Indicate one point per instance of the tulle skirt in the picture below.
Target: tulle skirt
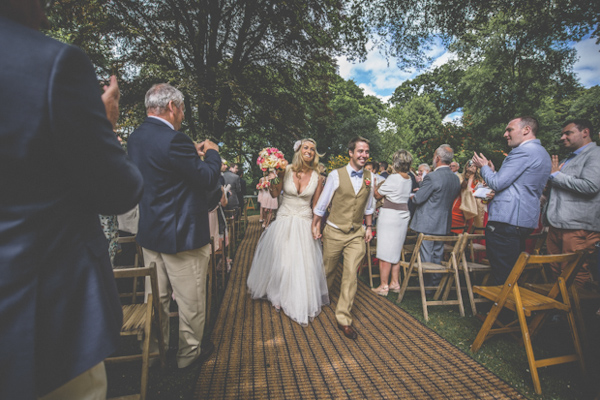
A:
(287, 269)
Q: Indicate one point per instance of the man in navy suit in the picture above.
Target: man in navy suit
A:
(60, 166)
(173, 228)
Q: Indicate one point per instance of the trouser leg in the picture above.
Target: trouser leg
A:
(504, 244)
(562, 241)
(354, 252)
(433, 252)
(164, 295)
(333, 244)
(187, 274)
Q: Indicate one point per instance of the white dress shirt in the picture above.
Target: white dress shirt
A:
(170, 125)
(331, 185)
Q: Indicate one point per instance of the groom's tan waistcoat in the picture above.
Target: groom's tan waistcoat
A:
(348, 208)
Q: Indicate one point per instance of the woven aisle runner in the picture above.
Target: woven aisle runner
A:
(262, 354)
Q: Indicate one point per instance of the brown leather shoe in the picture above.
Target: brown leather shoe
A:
(348, 331)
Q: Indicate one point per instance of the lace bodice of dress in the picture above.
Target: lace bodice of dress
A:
(294, 203)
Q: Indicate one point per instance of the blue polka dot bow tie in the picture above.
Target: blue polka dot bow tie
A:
(354, 173)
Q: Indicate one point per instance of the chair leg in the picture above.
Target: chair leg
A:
(146, 349)
(461, 306)
(470, 290)
(485, 328)
(448, 288)
(440, 287)
(527, 341)
(572, 324)
(404, 286)
(423, 297)
(579, 318)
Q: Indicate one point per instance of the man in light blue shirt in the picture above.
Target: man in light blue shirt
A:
(515, 209)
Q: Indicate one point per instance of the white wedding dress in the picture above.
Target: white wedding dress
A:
(287, 268)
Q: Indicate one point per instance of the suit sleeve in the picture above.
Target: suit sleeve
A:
(424, 191)
(588, 183)
(512, 167)
(185, 160)
(88, 149)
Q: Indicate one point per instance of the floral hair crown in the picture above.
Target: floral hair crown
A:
(297, 145)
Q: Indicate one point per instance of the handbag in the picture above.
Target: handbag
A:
(468, 204)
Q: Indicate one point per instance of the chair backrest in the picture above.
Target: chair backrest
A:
(573, 262)
(139, 272)
(540, 239)
(526, 261)
(468, 244)
(415, 254)
(454, 238)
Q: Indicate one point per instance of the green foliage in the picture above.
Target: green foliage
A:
(247, 69)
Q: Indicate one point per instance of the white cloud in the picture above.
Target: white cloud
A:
(442, 59)
(587, 68)
(379, 76)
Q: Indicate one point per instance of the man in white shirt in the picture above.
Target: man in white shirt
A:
(350, 191)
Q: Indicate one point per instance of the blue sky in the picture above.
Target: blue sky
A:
(380, 77)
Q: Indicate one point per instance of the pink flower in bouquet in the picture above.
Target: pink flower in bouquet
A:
(271, 159)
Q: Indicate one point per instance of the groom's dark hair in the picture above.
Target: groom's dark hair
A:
(352, 143)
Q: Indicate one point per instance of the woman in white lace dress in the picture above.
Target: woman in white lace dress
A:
(287, 268)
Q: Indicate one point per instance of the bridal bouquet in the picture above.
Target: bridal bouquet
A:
(270, 159)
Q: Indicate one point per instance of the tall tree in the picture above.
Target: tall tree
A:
(237, 61)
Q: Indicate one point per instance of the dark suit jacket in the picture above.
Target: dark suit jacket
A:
(174, 207)
(434, 201)
(60, 166)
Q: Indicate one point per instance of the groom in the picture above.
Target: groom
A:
(350, 191)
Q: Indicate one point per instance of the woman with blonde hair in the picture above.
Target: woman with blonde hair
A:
(392, 223)
(287, 268)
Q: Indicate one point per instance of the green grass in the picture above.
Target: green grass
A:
(505, 357)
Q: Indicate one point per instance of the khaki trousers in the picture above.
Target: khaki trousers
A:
(90, 385)
(561, 241)
(182, 274)
(352, 247)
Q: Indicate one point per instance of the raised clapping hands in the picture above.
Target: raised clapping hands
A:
(110, 98)
(480, 160)
(204, 146)
(555, 166)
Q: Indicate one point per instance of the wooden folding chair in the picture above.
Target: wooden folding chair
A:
(138, 320)
(370, 253)
(536, 274)
(138, 261)
(527, 303)
(231, 230)
(470, 268)
(446, 268)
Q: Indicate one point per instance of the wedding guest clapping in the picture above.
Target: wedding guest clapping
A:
(392, 223)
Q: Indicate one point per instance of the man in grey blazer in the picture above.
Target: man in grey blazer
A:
(573, 211)
(514, 211)
(231, 178)
(434, 200)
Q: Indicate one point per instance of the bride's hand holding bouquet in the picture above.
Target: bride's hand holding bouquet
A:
(272, 163)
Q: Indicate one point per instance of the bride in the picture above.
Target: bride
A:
(287, 268)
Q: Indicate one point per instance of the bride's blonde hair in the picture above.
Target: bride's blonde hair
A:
(298, 163)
